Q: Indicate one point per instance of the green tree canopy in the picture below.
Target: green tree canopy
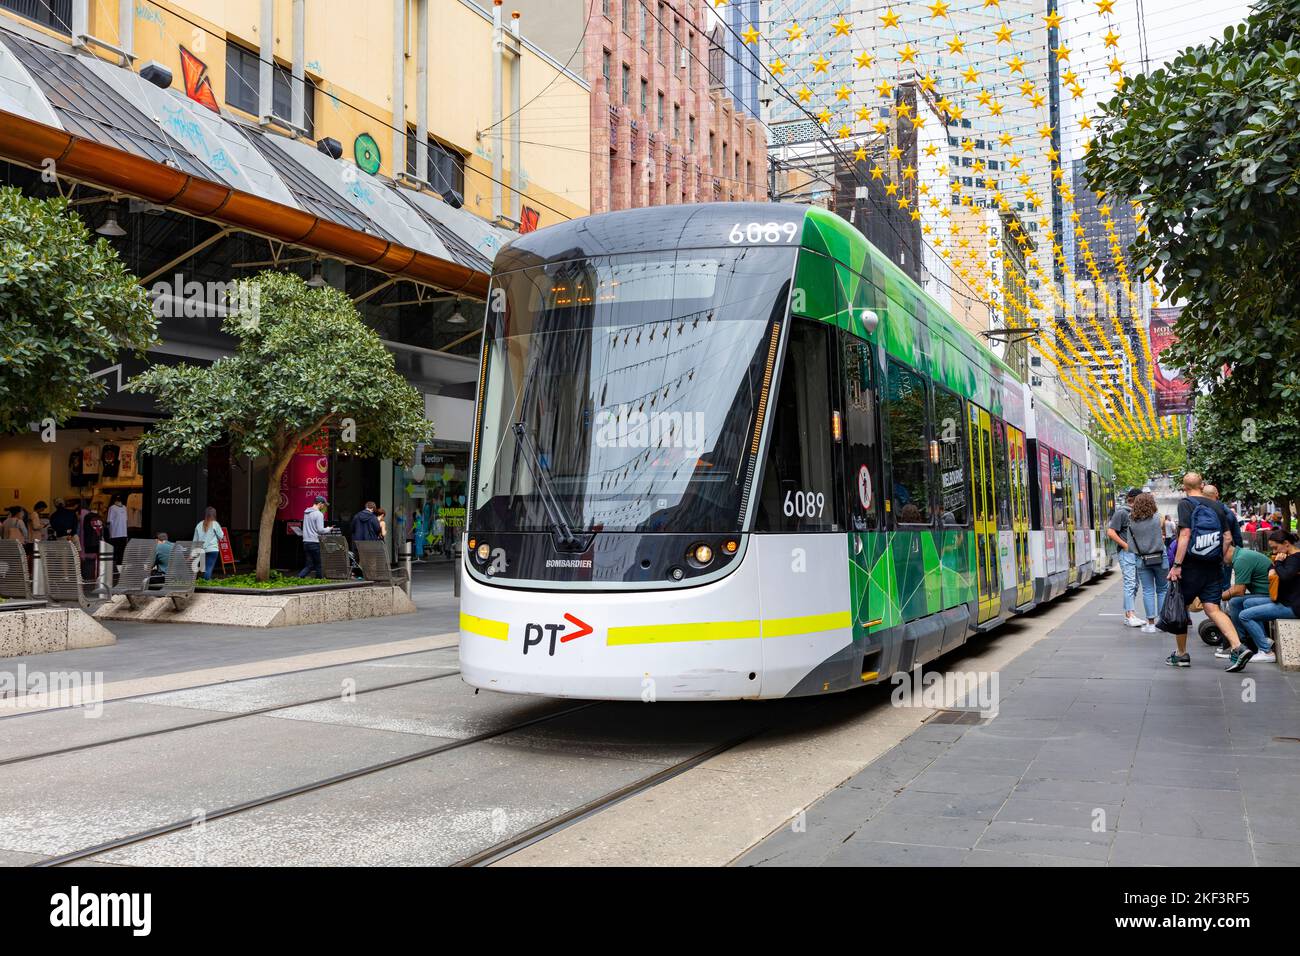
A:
(1137, 461)
(65, 303)
(1253, 460)
(305, 362)
(1210, 145)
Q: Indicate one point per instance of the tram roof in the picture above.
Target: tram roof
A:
(652, 229)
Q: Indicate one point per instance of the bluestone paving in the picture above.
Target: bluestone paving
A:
(1099, 754)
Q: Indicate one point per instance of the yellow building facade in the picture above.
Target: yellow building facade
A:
(347, 52)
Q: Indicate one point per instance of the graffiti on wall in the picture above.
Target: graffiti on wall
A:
(198, 85)
(366, 152)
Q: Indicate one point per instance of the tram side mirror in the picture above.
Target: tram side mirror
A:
(869, 320)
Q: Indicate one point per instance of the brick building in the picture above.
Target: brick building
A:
(659, 134)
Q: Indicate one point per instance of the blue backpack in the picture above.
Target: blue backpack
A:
(1207, 534)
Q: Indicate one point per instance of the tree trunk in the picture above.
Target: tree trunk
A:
(266, 527)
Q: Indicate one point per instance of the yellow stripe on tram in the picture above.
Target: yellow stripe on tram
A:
(673, 633)
(809, 624)
(727, 630)
(497, 630)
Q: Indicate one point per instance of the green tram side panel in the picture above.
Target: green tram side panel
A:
(900, 575)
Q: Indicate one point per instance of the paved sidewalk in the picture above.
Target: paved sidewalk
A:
(1100, 754)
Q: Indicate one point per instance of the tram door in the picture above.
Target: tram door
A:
(986, 523)
(1070, 493)
(1020, 513)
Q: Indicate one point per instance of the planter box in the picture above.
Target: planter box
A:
(302, 589)
(42, 630)
(319, 605)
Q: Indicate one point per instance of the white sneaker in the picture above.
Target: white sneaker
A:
(1265, 657)
(1134, 622)
(1148, 628)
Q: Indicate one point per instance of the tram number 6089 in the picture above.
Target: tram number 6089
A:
(804, 504)
(755, 232)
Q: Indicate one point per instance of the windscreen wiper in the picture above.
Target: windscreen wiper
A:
(555, 510)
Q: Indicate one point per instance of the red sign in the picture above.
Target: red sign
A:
(227, 553)
(307, 476)
(1173, 392)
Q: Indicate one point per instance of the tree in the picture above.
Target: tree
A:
(1210, 147)
(1252, 460)
(305, 362)
(65, 302)
(1136, 461)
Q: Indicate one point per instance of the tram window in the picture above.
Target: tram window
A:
(799, 492)
(1001, 476)
(909, 449)
(950, 432)
(861, 440)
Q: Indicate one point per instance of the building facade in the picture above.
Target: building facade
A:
(659, 133)
(382, 150)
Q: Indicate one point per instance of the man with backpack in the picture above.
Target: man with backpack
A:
(1198, 568)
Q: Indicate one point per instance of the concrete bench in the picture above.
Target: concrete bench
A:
(1287, 637)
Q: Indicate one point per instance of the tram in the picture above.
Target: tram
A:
(730, 450)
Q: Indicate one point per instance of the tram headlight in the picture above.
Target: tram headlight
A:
(731, 546)
(484, 552)
(701, 555)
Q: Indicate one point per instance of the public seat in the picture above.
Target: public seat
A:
(14, 580)
(61, 562)
(373, 558)
(137, 566)
(334, 557)
(178, 583)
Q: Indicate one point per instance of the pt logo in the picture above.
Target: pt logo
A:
(535, 633)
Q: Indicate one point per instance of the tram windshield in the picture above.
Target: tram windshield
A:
(621, 392)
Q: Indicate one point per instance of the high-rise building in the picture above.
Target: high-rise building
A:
(660, 134)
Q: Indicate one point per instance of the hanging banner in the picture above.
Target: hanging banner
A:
(1173, 392)
(307, 476)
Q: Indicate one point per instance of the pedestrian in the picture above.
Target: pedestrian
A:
(1234, 529)
(92, 533)
(365, 526)
(117, 528)
(313, 526)
(162, 555)
(63, 522)
(1286, 571)
(14, 528)
(382, 517)
(39, 524)
(1120, 532)
(1249, 587)
(1148, 548)
(1198, 566)
(1168, 528)
(208, 534)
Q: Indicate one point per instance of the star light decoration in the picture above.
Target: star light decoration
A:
(971, 76)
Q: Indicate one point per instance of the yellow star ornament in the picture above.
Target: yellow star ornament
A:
(841, 27)
(889, 18)
(820, 64)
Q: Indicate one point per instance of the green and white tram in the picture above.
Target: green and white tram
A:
(731, 451)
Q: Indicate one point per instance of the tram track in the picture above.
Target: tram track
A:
(485, 857)
(512, 845)
(222, 683)
(208, 722)
(245, 806)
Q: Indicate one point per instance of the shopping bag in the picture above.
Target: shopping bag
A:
(1174, 618)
